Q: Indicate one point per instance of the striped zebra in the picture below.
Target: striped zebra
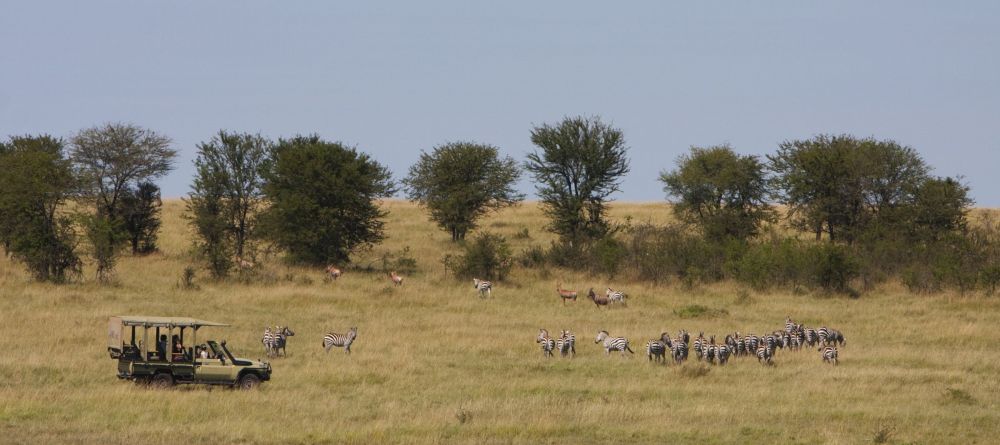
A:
(830, 354)
(616, 296)
(829, 336)
(679, 350)
(752, 341)
(485, 288)
(764, 355)
(699, 346)
(280, 340)
(340, 340)
(790, 325)
(613, 343)
(722, 352)
(656, 350)
(684, 336)
(566, 343)
(811, 337)
(709, 350)
(546, 342)
(268, 341)
(836, 337)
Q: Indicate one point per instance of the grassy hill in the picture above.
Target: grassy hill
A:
(433, 363)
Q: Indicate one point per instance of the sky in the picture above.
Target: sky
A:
(394, 78)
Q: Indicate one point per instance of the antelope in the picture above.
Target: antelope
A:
(397, 280)
(599, 300)
(333, 272)
(565, 294)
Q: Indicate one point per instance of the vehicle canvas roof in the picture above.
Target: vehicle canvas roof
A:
(141, 320)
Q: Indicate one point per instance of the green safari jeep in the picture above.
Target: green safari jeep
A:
(163, 364)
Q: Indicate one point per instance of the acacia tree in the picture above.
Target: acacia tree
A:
(322, 199)
(843, 186)
(724, 193)
(460, 182)
(580, 165)
(226, 200)
(110, 159)
(35, 182)
(141, 216)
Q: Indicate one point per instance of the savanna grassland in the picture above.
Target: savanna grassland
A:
(434, 363)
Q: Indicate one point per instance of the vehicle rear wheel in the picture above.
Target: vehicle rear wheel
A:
(248, 381)
(163, 381)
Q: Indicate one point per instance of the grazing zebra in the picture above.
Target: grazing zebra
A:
(281, 335)
(752, 341)
(566, 343)
(615, 343)
(679, 350)
(268, 341)
(830, 354)
(722, 352)
(485, 288)
(547, 343)
(340, 340)
(333, 272)
(822, 334)
(565, 294)
(397, 280)
(764, 355)
(656, 350)
(836, 337)
(811, 337)
(616, 296)
(599, 300)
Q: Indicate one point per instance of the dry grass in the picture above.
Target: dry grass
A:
(434, 363)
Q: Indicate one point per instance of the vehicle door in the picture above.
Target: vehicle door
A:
(214, 370)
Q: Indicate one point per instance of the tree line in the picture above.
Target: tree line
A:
(828, 212)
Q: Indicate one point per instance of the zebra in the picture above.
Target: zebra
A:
(397, 280)
(566, 343)
(340, 340)
(764, 355)
(709, 350)
(699, 346)
(268, 341)
(836, 337)
(656, 350)
(684, 336)
(679, 350)
(280, 339)
(811, 337)
(485, 288)
(615, 343)
(830, 354)
(722, 352)
(546, 342)
(616, 296)
(789, 325)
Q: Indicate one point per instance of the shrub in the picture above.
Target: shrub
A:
(402, 262)
(834, 267)
(487, 257)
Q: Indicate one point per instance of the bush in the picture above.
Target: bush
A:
(531, 257)
(402, 262)
(834, 267)
(486, 257)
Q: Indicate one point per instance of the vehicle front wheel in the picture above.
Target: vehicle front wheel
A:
(248, 382)
(163, 381)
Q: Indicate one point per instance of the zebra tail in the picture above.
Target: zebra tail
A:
(628, 348)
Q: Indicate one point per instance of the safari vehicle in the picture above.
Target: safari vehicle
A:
(144, 356)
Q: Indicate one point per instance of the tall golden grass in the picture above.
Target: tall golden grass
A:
(433, 363)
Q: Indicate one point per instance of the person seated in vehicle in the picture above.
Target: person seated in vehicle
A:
(178, 349)
(161, 348)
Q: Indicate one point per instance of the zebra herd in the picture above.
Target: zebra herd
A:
(275, 340)
(793, 337)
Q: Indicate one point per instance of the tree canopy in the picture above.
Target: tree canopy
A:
(460, 182)
(322, 197)
(722, 192)
(581, 164)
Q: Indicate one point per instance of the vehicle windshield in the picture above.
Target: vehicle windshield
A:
(217, 351)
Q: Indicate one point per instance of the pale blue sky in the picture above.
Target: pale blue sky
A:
(396, 77)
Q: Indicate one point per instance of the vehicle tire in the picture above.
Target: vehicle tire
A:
(248, 381)
(162, 381)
